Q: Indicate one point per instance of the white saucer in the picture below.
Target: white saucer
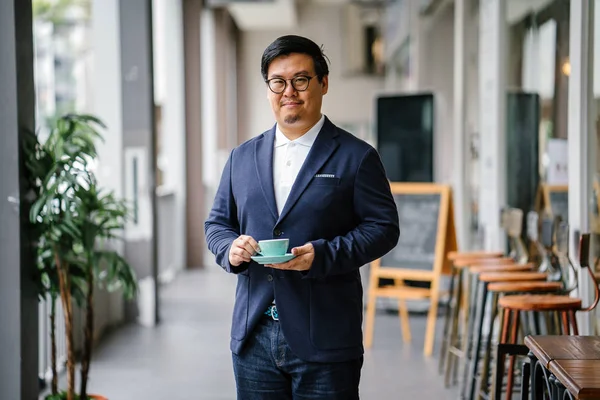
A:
(273, 259)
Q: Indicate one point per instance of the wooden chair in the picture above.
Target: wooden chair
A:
(564, 305)
(513, 224)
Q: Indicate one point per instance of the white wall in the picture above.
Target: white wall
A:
(169, 93)
(596, 49)
(349, 100)
(210, 165)
(472, 99)
(436, 74)
(539, 53)
(107, 105)
(518, 9)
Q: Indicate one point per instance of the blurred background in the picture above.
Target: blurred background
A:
(498, 99)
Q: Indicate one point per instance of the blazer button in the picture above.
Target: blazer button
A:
(270, 278)
(277, 232)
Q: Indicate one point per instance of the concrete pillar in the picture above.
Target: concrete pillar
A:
(492, 122)
(461, 186)
(107, 105)
(582, 140)
(18, 295)
(195, 193)
(169, 96)
(107, 92)
(139, 148)
(211, 169)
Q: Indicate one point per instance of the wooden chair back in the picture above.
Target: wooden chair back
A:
(548, 229)
(584, 262)
(512, 220)
(533, 235)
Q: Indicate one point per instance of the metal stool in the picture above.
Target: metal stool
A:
(457, 301)
(482, 289)
(496, 290)
(565, 306)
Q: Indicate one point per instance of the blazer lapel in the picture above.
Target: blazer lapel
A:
(264, 168)
(322, 149)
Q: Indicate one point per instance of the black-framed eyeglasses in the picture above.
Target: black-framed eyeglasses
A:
(299, 83)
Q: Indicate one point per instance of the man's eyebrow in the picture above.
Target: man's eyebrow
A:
(303, 73)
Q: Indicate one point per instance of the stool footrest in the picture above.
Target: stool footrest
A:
(457, 352)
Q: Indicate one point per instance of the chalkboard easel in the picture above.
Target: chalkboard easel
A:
(427, 235)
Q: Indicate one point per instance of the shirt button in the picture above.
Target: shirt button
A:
(270, 278)
(288, 163)
(292, 144)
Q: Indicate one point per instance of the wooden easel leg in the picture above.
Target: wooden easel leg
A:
(403, 314)
(404, 322)
(431, 317)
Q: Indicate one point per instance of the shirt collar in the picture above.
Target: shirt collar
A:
(308, 139)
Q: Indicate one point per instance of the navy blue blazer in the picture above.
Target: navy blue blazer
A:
(340, 202)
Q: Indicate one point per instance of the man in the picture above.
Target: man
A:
(297, 326)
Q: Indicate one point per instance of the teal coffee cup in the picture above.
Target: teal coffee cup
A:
(274, 247)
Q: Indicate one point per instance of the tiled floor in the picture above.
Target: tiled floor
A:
(187, 357)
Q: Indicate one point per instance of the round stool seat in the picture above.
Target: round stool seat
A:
(478, 269)
(532, 302)
(467, 262)
(533, 286)
(454, 255)
(512, 276)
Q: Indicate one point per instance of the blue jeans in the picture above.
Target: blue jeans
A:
(267, 369)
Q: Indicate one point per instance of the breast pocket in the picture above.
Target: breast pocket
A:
(322, 181)
(322, 191)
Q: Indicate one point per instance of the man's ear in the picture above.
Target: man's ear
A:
(325, 84)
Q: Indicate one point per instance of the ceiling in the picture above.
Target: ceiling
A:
(282, 14)
(516, 10)
(276, 14)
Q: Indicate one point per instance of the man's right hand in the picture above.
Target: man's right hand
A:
(242, 249)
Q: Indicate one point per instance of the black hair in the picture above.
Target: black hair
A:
(289, 44)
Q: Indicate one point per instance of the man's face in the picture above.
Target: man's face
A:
(296, 111)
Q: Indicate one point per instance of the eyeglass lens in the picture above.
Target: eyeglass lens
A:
(299, 83)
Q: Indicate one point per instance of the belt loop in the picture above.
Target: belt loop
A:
(272, 312)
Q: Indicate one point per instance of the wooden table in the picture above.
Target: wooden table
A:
(565, 367)
(580, 377)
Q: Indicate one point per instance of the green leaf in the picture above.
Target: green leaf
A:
(71, 216)
(62, 396)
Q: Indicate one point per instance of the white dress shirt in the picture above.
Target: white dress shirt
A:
(288, 157)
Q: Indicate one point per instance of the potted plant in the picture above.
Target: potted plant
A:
(74, 222)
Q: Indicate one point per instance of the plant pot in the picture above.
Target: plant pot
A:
(63, 396)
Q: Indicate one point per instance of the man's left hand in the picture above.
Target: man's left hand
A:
(303, 261)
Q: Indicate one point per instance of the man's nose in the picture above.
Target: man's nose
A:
(289, 90)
